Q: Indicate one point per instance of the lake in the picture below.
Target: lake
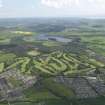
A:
(53, 38)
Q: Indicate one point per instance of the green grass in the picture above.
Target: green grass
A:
(52, 64)
(2, 67)
(51, 43)
(33, 53)
(91, 101)
(59, 90)
(96, 43)
(32, 94)
(14, 82)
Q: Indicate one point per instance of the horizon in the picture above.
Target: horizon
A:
(52, 17)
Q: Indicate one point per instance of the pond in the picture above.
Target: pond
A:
(53, 38)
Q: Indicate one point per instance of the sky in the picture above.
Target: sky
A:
(52, 8)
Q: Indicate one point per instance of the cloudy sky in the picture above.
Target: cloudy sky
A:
(52, 8)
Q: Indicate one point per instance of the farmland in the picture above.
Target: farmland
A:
(45, 61)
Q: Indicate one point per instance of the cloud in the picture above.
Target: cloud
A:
(71, 3)
(1, 5)
(58, 3)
